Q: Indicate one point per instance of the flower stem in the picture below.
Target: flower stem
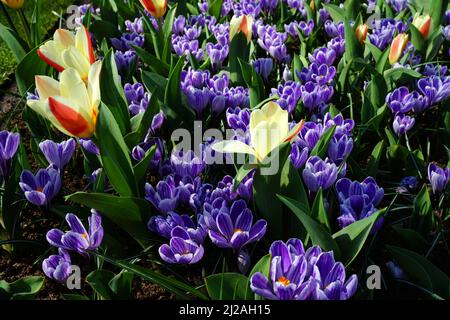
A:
(8, 17)
(26, 27)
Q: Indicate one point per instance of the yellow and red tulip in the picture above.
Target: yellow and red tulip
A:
(14, 4)
(70, 105)
(241, 24)
(422, 23)
(157, 8)
(269, 128)
(68, 50)
(361, 32)
(398, 45)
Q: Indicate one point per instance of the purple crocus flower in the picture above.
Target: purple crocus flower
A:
(402, 124)
(319, 173)
(57, 267)
(124, 60)
(78, 238)
(164, 226)
(407, 184)
(289, 94)
(298, 155)
(358, 200)
(182, 249)
(320, 74)
(198, 99)
(137, 97)
(435, 88)
(165, 198)
(323, 56)
(89, 146)
(314, 95)
(438, 177)
(398, 5)
(340, 148)
(58, 154)
(299, 275)
(42, 188)
(217, 53)
(263, 67)
(238, 119)
(186, 163)
(235, 229)
(9, 143)
(401, 101)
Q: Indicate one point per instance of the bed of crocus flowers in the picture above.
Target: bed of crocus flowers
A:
(275, 149)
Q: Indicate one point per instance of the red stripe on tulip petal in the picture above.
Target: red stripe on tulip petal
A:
(149, 5)
(295, 133)
(90, 49)
(49, 62)
(69, 119)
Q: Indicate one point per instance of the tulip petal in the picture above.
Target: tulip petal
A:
(233, 146)
(68, 119)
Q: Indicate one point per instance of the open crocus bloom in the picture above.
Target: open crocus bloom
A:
(69, 104)
(242, 23)
(68, 50)
(269, 127)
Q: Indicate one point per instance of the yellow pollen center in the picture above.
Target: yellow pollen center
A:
(40, 189)
(84, 235)
(237, 230)
(284, 281)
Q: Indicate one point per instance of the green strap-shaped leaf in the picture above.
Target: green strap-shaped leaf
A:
(318, 234)
(115, 154)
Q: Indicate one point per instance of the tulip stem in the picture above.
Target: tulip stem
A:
(26, 26)
(8, 17)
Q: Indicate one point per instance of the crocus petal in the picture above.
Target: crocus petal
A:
(54, 237)
(75, 224)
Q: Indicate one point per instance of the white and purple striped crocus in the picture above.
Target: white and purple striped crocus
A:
(165, 197)
(233, 228)
(299, 275)
(319, 173)
(438, 177)
(58, 266)
(9, 143)
(42, 188)
(78, 238)
(58, 154)
(182, 249)
(402, 124)
(358, 200)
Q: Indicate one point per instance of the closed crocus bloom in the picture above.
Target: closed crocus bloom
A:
(422, 23)
(361, 32)
(438, 177)
(69, 104)
(269, 127)
(241, 24)
(68, 50)
(14, 4)
(397, 47)
(157, 8)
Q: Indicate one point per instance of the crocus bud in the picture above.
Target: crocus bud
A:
(361, 32)
(157, 8)
(13, 4)
(397, 47)
(242, 23)
(422, 23)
